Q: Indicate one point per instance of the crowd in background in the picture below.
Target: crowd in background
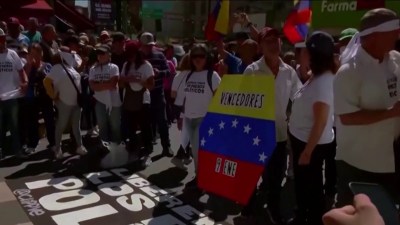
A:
(119, 86)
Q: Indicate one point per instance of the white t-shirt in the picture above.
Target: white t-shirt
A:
(287, 83)
(197, 92)
(177, 83)
(104, 73)
(365, 84)
(10, 64)
(144, 72)
(319, 89)
(63, 85)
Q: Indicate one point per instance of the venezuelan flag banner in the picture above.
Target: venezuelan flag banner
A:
(297, 23)
(218, 21)
(237, 136)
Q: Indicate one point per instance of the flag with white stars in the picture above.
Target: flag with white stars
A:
(235, 145)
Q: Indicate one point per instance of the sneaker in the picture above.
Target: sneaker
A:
(177, 160)
(187, 158)
(81, 150)
(167, 152)
(21, 155)
(58, 153)
(30, 150)
(92, 133)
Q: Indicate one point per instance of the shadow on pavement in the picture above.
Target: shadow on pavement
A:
(170, 178)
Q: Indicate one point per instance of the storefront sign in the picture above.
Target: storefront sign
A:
(345, 13)
(114, 197)
(102, 12)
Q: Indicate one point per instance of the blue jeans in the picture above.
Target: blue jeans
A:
(9, 121)
(109, 123)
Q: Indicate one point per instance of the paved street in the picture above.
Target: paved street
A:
(161, 173)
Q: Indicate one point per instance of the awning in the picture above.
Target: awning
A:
(38, 8)
(38, 5)
(15, 3)
(71, 16)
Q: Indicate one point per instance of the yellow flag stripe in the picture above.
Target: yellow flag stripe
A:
(222, 23)
(248, 96)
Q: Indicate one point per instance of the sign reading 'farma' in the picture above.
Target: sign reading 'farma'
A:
(346, 13)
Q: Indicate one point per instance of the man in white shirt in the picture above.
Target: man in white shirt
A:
(366, 93)
(287, 84)
(13, 83)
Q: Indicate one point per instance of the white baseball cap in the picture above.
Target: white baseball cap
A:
(2, 34)
(147, 39)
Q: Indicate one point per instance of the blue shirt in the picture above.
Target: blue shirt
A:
(235, 64)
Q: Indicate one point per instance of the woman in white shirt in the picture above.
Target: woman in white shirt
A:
(311, 129)
(59, 87)
(137, 79)
(103, 79)
(199, 86)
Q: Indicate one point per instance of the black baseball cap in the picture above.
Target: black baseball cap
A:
(320, 43)
(103, 49)
(118, 36)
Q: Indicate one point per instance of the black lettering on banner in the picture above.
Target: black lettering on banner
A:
(253, 97)
(218, 165)
(229, 168)
(107, 197)
(223, 99)
(248, 100)
(261, 101)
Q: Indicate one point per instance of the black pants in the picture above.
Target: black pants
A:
(348, 173)
(271, 185)
(34, 107)
(139, 120)
(330, 170)
(159, 119)
(23, 115)
(308, 181)
(88, 112)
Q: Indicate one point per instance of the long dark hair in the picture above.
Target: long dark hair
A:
(320, 63)
(201, 48)
(139, 60)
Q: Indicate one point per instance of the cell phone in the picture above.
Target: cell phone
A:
(380, 198)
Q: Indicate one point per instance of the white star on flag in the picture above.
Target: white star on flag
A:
(262, 157)
(247, 129)
(203, 141)
(222, 125)
(210, 131)
(235, 123)
(256, 141)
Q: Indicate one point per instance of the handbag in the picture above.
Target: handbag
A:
(79, 95)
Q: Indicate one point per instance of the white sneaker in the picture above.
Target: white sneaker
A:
(30, 150)
(81, 150)
(57, 152)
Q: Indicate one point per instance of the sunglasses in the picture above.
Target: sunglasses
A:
(198, 56)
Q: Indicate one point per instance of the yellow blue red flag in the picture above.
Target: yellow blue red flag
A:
(297, 23)
(218, 21)
(237, 136)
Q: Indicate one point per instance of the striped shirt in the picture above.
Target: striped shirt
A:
(159, 62)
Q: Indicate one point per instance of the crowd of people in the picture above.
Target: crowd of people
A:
(336, 102)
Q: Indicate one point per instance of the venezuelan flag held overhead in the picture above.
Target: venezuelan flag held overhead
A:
(237, 136)
(218, 21)
(297, 23)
